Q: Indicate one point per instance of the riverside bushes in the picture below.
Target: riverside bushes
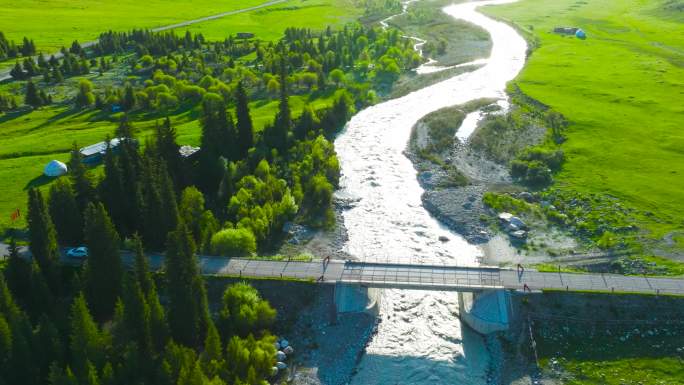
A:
(233, 243)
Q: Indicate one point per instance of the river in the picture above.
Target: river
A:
(420, 339)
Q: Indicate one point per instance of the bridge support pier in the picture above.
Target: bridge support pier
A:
(486, 311)
(352, 298)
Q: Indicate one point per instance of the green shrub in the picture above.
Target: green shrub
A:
(504, 202)
(518, 168)
(552, 158)
(538, 174)
(233, 243)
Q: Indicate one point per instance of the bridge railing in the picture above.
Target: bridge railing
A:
(397, 274)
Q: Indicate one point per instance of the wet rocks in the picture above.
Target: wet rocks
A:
(459, 209)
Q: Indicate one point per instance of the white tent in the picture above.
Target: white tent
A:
(55, 168)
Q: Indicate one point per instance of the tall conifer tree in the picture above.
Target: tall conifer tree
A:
(245, 129)
(43, 238)
(80, 180)
(103, 271)
(188, 311)
(65, 214)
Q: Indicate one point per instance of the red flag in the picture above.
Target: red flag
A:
(15, 215)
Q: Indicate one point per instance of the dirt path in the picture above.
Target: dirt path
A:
(5, 74)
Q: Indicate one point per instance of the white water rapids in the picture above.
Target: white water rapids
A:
(420, 339)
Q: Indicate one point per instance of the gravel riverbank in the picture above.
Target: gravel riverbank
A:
(459, 207)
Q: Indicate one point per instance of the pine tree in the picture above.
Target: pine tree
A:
(142, 267)
(111, 190)
(43, 238)
(18, 273)
(57, 75)
(188, 311)
(218, 140)
(80, 180)
(41, 300)
(130, 163)
(65, 213)
(17, 72)
(212, 356)
(129, 98)
(169, 150)
(59, 376)
(159, 329)
(158, 321)
(169, 203)
(86, 342)
(32, 97)
(160, 207)
(226, 190)
(48, 346)
(103, 271)
(283, 122)
(245, 129)
(152, 207)
(305, 124)
(5, 344)
(137, 315)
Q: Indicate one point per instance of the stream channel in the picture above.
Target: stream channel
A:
(420, 339)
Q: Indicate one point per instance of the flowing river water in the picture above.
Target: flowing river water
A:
(420, 340)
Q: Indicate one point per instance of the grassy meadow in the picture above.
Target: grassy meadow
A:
(622, 90)
(56, 23)
(269, 23)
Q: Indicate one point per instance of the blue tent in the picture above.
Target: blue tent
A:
(580, 34)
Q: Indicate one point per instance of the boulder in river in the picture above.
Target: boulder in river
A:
(288, 350)
(281, 365)
(284, 343)
(281, 356)
(519, 234)
(526, 196)
(517, 222)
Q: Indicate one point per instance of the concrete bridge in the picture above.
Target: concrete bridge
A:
(483, 292)
(439, 277)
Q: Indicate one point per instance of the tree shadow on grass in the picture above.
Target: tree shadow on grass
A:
(70, 112)
(39, 181)
(9, 116)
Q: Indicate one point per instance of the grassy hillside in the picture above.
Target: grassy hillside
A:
(56, 23)
(622, 90)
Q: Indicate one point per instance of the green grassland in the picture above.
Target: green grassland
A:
(269, 23)
(56, 23)
(621, 90)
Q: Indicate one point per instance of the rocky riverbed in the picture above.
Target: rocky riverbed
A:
(457, 205)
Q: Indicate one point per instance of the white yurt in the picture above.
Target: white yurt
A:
(55, 168)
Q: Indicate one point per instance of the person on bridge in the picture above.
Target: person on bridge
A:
(526, 288)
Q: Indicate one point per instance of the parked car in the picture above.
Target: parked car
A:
(78, 252)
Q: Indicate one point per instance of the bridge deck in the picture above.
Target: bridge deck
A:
(434, 277)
